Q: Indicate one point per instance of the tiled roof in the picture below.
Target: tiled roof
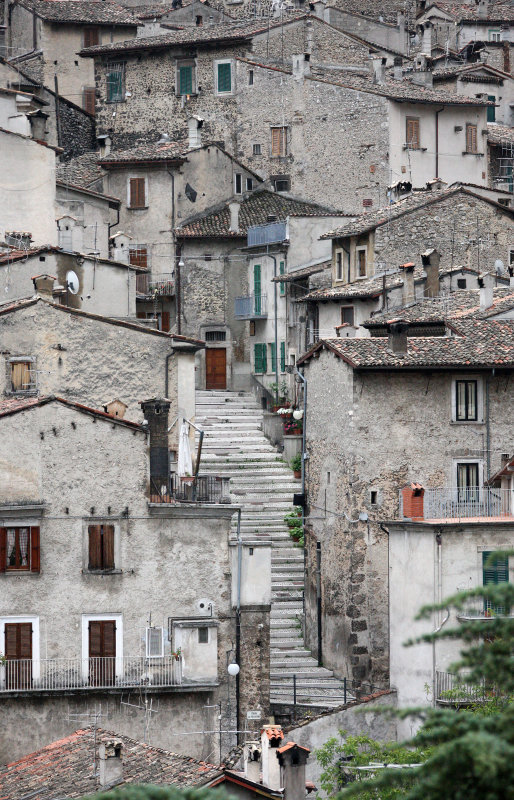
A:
(204, 34)
(411, 203)
(457, 305)
(254, 210)
(99, 12)
(66, 768)
(304, 272)
(499, 134)
(82, 170)
(478, 344)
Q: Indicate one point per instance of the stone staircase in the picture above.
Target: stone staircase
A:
(263, 485)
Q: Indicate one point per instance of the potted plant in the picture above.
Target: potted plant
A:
(296, 465)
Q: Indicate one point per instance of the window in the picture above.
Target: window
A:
(223, 77)
(347, 315)
(466, 407)
(21, 375)
(493, 573)
(154, 642)
(282, 356)
(495, 36)
(137, 193)
(19, 549)
(115, 83)
(412, 133)
(491, 110)
(259, 357)
(471, 138)
(281, 183)
(282, 269)
(101, 547)
(250, 77)
(185, 78)
(249, 184)
(91, 37)
(279, 141)
(238, 183)
(89, 100)
(203, 635)
(256, 149)
(468, 490)
(273, 356)
(138, 256)
(361, 261)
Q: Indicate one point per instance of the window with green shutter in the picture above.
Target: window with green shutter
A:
(273, 356)
(224, 81)
(282, 356)
(115, 83)
(494, 572)
(185, 79)
(282, 269)
(259, 357)
(257, 288)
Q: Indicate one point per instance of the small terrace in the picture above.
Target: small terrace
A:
(457, 504)
(92, 674)
(199, 489)
(163, 286)
(251, 307)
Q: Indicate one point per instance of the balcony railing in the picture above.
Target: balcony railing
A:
(450, 690)
(251, 307)
(203, 489)
(457, 503)
(58, 674)
(163, 286)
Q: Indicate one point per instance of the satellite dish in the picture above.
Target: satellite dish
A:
(72, 282)
(499, 266)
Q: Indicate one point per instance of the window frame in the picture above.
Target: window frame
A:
(109, 70)
(471, 129)
(282, 150)
(185, 63)
(414, 144)
(217, 64)
(131, 178)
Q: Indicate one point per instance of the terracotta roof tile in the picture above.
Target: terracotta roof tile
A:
(99, 12)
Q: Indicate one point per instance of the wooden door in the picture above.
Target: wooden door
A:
(18, 653)
(102, 652)
(216, 368)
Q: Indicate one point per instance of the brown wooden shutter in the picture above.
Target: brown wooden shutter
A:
(34, 550)
(108, 546)
(137, 192)
(109, 637)
(95, 547)
(3, 549)
(165, 320)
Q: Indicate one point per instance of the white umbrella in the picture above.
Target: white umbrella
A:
(185, 464)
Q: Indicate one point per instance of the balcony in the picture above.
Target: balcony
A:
(203, 489)
(89, 674)
(457, 504)
(163, 286)
(251, 307)
(450, 690)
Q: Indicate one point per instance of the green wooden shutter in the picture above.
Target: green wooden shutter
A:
(185, 80)
(257, 288)
(225, 77)
(282, 269)
(260, 360)
(273, 356)
(491, 110)
(282, 356)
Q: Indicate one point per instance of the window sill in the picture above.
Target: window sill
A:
(102, 571)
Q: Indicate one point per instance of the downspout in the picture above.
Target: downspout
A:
(437, 141)
(238, 616)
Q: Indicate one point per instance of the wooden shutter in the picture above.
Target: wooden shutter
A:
(108, 546)
(95, 546)
(224, 77)
(3, 549)
(137, 192)
(185, 79)
(471, 138)
(34, 550)
(165, 321)
(91, 37)
(89, 101)
(412, 132)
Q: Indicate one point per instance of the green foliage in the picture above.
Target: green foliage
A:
(150, 792)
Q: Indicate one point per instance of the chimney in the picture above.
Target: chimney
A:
(408, 283)
(252, 761)
(234, 216)
(430, 260)
(292, 759)
(398, 68)
(398, 336)
(194, 125)
(156, 415)
(44, 284)
(486, 297)
(483, 8)
(378, 65)
(301, 65)
(271, 739)
(111, 764)
(37, 121)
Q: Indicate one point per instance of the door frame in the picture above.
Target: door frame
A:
(36, 666)
(226, 365)
(118, 619)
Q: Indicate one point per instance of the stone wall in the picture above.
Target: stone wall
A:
(378, 445)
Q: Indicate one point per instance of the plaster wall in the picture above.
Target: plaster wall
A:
(28, 180)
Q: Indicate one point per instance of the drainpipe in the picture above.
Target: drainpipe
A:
(238, 616)
(437, 141)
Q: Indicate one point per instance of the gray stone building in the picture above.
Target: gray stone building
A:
(399, 421)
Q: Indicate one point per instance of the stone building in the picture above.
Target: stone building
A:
(44, 38)
(356, 469)
(130, 601)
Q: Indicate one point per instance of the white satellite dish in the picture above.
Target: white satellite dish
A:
(499, 266)
(72, 282)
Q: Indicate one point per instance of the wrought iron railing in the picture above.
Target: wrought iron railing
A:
(465, 503)
(57, 674)
(452, 690)
(255, 306)
(202, 489)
